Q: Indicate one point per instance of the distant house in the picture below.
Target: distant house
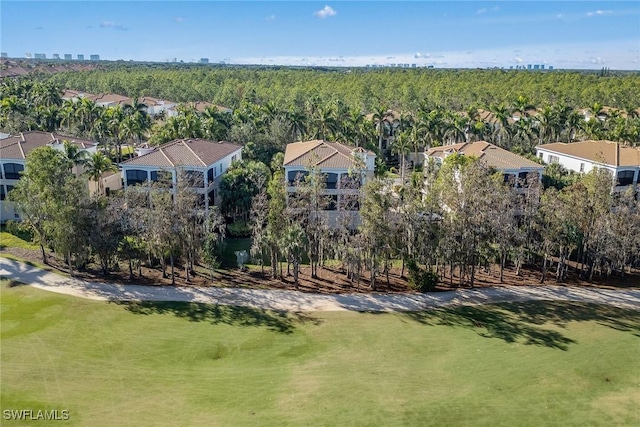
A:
(199, 106)
(623, 162)
(345, 168)
(110, 100)
(156, 106)
(74, 95)
(203, 161)
(13, 153)
(516, 169)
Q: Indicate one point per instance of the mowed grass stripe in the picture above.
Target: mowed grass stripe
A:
(190, 364)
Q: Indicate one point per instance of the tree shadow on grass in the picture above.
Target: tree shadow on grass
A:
(277, 321)
(522, 321)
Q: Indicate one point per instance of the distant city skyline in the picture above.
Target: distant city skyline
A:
(454, 34)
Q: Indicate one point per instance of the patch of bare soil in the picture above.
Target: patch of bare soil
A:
(331, 280)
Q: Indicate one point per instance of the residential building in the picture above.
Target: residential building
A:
(80, 57)
(13, 153)
(94, 57)
(156, 106)
(623, 162)
(345, 168)
(516, 169)
(203, 161)
(199, 106)
(74, 95)
(68, 57)
(110, 100)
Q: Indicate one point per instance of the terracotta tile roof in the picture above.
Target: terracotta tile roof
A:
(111, 98)
(605, 152)
(13, 72)
(70, 93)
(492, 155)
(322, 154)
(185, 152)
(18, 146)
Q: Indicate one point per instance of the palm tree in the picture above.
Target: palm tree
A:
(96, 165)
(326, 123)
(73, 154)
(297, 124)
(86, 111)
(501, 132)
(380, 120)
(401, 146)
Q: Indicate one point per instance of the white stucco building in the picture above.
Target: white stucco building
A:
(13, 153)
(203, 161)
(623, 162)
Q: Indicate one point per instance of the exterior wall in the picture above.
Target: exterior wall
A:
(220, 167)
(579, 165)
(331, 216)
(571, 163)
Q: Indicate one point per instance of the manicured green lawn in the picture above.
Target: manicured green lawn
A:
(202, 365)
(8, 240)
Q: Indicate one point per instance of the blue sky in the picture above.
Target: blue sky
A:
(565, 34)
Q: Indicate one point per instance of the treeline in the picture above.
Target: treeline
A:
(402, 89)
(445, 224)
(265, 128)
(461, 218)
(150, 224)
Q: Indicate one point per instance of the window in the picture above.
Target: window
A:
(12, 170)
(332, 204)
(625, 177)
(2, 193)
(350, 182)
(331, 181)
(508, 178)
(350, 202)
(210, 174)
(293, 176)
(581, 167)
(165, 176)
(540, 155)
(212, 197)
(553, 159)
(233, 159)
(136, 176)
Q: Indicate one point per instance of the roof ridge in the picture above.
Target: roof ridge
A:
(165, 156)
(318, 143)
(186, 144)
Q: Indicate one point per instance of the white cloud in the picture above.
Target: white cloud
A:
(270, 18)
(599, 13)
(113, 25)
(518, 60)
(326, 12)
(481, 11)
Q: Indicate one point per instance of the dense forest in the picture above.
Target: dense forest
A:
(365, 89)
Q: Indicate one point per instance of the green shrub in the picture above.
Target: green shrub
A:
(421, 279)
(238, 229)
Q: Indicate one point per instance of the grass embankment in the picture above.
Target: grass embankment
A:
(8, 240)
(191, 364)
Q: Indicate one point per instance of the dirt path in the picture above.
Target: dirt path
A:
(296, 301)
